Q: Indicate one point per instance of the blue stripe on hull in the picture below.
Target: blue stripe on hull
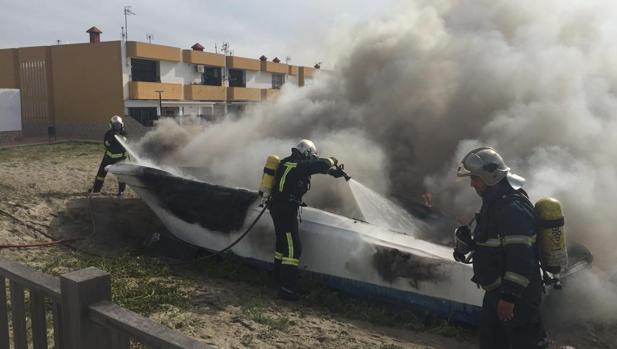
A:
(450, 310)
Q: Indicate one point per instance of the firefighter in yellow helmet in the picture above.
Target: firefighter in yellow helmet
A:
(292, 181)
(505, 258)
(114, 152)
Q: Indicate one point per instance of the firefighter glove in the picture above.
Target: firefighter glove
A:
(463, 243)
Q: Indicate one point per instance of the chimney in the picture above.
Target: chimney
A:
(197, 47)
(276, 60)
(263, 58)
(317, 66)
(95, 34)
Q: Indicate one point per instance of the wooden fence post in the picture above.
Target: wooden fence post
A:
(80, 289)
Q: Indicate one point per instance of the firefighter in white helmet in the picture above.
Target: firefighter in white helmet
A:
(114, 152)
(505, 259)
(292, 181)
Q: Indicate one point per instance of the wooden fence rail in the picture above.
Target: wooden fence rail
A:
(82, 313)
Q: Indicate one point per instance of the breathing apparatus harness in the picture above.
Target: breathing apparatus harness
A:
(550, 244)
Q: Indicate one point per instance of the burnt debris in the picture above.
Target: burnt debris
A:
(392, 264)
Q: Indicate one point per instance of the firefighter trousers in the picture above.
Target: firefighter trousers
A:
(288, 246)
(100, 175)
(524, 331)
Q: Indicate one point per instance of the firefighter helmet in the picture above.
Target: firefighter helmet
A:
(116, 122)
(306, 148)
(489, 166)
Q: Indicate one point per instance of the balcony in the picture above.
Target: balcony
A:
(206, 58)
(292, 70)
(304, 72)
(234, 62)
(147, 90)
(204, 93)
(143, 50)
(235, 94)
(270, 94)
(271, 67)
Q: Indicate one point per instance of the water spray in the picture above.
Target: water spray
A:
(132, 154)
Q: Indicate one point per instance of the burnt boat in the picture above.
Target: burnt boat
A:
(346, 253)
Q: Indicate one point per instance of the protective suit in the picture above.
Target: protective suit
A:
(114, 152)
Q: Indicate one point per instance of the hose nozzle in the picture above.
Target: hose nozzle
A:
(341, 169)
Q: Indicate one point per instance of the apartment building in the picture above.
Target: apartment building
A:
(72, 90)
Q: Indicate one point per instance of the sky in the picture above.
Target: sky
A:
(295, 28)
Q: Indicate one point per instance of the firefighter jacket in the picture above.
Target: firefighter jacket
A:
(505, 256)
(293, 178)
(113, 148)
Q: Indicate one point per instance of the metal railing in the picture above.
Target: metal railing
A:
(82, 314)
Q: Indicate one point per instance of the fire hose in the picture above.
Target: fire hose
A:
(340, 171)
(265, 206)
(54, 242)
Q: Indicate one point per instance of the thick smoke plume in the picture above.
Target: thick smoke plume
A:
(409, 95)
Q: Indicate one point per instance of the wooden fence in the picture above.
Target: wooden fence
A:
(79, 307)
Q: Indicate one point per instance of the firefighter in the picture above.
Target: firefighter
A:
(505, 258)
(114, 152)
(292, 181)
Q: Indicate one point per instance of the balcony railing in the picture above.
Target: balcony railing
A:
(147, 90)
(243, 94)
(204, 93)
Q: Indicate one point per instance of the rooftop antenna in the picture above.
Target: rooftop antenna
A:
(58, 41)
(127, 12)
(150, 36)
(225, 48)
(287, 59)
(122, 32)
(215, 48)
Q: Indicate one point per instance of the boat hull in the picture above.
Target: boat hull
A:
(347, 254)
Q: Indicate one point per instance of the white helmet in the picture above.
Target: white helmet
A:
(117, 121)
(487, 164)
(116, 118)
(306, 148)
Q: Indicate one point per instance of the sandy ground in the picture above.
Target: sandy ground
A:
(44, 186)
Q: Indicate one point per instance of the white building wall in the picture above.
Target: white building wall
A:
(178, 73)
(258, 79)
(126, 71)
(10, 110)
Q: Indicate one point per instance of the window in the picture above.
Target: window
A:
(237, 78)
(145, 70)
(170, 111)
(145, 115)
(277, 81)
(236, 108)
(212, 76)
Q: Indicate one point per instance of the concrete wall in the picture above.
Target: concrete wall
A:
(87, 82)
(10, 110)
(8, 69)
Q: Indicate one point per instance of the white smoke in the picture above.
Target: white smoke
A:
(412, 93)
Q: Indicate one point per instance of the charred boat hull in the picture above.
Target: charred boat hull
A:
(347, 254)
